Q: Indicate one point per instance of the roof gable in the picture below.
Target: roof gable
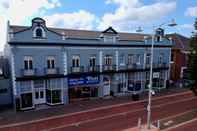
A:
(110, 30)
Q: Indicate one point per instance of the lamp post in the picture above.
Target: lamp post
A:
(172, 23)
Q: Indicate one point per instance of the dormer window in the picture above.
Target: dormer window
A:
(109, 39)
(39, 32)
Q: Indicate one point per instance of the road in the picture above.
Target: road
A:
(111, 118)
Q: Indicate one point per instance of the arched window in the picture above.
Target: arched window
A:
(39, 32)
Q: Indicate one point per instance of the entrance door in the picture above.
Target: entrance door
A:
(39, 92)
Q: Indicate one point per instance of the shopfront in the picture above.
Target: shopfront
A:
(83, 87)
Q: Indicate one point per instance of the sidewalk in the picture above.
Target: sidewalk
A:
(8, 117)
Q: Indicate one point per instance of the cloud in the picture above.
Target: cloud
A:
(186, 26)
(18, 11)
(77, 20)
(133, 12)
(191, 11)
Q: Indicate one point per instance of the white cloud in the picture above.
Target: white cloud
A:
(77, 20)
(133, 12)
(17, 11)
(186, 26)
(191, 11)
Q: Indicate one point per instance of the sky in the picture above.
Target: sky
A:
(122, 15)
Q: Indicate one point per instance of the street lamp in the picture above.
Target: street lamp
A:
(172, 23)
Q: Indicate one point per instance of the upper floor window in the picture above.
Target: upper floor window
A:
(138, 59)
(148, 59)
(28, 63)
(51, 62)
(130, 59)
(122, 59)
(108, 60)
(161, 58)
(109, 39)
(92, 61)
(39, 32)
(76, 61)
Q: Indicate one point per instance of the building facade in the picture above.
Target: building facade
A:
(5, 84)
(57, 66)
(179, 57)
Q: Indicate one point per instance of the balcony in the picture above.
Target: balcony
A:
(79, 69)
(109, 67)
(51, 71)
(28, 72)
(93, 68)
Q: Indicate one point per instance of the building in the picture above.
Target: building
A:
(179, 57)
(57, 66)
(5, 84)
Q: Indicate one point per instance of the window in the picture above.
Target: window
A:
(75, 61)
(38, 32)
(51, 62)
(122, 59)
(108, 60)
(138, 57)
(109, 39)
(92, 61)
(1, 71)
(28, 64)
(148, 59)
(161, 57)
(130, 59)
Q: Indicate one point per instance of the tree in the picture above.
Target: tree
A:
(192, 62)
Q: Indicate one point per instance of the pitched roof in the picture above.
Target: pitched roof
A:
(179, 41)
(75, 33)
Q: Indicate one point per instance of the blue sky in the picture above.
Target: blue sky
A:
(123, 15)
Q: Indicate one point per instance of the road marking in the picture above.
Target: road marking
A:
(181, 124)
(118, 114)
(91, 110)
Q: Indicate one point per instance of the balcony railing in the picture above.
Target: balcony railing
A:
(93, 68)
(158, 65)
(28, 72)
(109, 67)
(79, 69)
(51, 71)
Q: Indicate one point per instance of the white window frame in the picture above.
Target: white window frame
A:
(28, 59)
(93, 57)
(43, 32)
(50, 59)
(122, 59)
(108, 60)
(76, 58)
(110, 39)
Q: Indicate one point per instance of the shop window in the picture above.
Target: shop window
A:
(26, 100)
(28, 63)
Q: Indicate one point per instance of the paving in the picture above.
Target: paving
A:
(106, 118)
(10, 116)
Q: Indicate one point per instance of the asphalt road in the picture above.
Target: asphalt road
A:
(111, 118)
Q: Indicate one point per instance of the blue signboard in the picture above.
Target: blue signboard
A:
(83, 80)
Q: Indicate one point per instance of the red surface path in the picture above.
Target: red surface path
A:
(112, 118)
(191, 126)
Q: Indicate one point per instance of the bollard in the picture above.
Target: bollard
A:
(139, 123)
(158, 124)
